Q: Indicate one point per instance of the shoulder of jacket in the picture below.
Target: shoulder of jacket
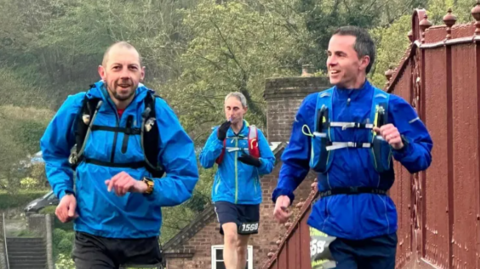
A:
(75, 100)
(326, 93)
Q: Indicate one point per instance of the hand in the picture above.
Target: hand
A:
(65, 210)
(280, 212)
(122, 183)
(314, 185)
(222, 130)
(248, 159)
(391, 135)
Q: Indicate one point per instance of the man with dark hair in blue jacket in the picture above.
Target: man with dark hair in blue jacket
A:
(130, 157)
(348, 135)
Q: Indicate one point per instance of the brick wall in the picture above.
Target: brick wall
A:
(284, 96)
(270, 230)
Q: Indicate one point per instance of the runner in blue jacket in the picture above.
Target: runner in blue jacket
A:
(125, 140)
(348, 134)
(243, 155)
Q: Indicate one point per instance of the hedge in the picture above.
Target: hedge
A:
(20, 198)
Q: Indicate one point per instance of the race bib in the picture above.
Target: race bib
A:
(320, 254)
(248, 228)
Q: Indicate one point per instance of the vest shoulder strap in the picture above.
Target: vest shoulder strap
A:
(379, 109)
(84, 118)
(149, 130)
(252, 144)
(323, 111)
(253, 141)
(151, 137)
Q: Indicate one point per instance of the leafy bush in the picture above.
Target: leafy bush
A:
(64, 262)
(57, 236)
(65, 246)
(19, 199)
(29, 183)
(64, 226)
(48, 210)
(56, 222)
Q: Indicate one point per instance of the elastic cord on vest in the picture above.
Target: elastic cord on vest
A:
(308, 133)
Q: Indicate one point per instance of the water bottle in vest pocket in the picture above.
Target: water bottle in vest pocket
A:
(382, 154)
(320, 140)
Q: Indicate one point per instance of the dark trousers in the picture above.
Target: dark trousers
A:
(95, 252)
(377, 252)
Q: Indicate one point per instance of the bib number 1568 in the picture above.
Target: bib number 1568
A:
(248, 228)
(316, 247)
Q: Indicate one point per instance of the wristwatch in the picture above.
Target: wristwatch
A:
(149, 183)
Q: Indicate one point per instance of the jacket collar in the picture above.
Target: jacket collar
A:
(353, 94)
(243, 131)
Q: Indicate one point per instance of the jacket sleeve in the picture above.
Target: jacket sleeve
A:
(178, 158)
(212, 149)
(296, 155)
(266, 155)
(56, 143)
(416, 155)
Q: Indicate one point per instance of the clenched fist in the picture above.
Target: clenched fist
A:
(391, 134)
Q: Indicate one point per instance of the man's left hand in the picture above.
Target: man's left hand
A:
(122, 183)
(390, 133)
(247, 159)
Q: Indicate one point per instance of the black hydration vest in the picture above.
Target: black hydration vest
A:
(149, 132)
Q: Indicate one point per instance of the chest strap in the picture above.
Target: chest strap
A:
(346, 125)
(134, 165)
(127, 131)
(340, 145)
(351, 191)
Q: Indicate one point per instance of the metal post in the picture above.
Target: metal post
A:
(5, 240)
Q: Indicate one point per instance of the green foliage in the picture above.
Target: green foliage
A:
(62, 242)
(460, 8)
(323, 18)
(32, 131)
(392, 43)
(19, 199)
(65, 245)
(21, 130)
(58, 235)
(235, 46)
(64, 261)
(25, 233)
(64, 226)
(29, 183)
(48, 210)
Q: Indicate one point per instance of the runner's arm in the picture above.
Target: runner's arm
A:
(296, 155)
(416, 154)
(267, 158)
(211, 151)
(56, 143)
(177, 156)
